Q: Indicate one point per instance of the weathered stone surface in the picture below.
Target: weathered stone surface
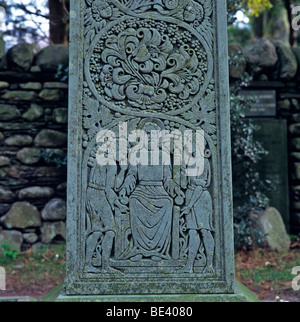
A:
(295, 144)
(4, 85)
(288, 62)
(51, 231)
(51, 94)
(296, 205)
(56, 85)
(23, 172)
(19, 140)
(35, 69)
(8, 112)
(13, 239)
(20, 57)
(49, 58)
(55, 210)
(61, 115)
(261, 55)
(19, 95)
(29, 156)
(31, 85)
(270, 224)
(35, 193)
(22, 215)
(15, 126)
(296, 171)
(33, 113)
(295, 156)
(4, 161)
(295, 129)
(157, 66)
(238, 64)
(284, 105)
(30, 238)
(1, 138)
(51, 139)
(6, 195)
(62, 187)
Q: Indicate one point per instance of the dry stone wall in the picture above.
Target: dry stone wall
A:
(33, 146)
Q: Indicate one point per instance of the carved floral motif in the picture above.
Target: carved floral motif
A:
(152, 68)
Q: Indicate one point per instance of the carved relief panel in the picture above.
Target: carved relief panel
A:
(152, 67)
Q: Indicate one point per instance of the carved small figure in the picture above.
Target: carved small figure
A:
(101, 203)
(198, 216)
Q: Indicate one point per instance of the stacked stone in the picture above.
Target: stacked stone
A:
(273, 64)
(33, 127)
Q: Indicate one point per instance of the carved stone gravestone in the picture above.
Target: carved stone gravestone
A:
(148, 74)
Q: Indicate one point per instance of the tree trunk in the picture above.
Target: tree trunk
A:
(58, 21)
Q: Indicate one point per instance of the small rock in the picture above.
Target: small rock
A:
(294, 129)
(30, 238)
(22, 215)
(270, 223)
(33, 113)
(261, 55)
(295, 144)
(6, 195)
(51, 95)
(4, 85)
(49, 58)
(19, 140)
(51, 139)
(288, 62)
(295, 156)
(61, 115)
(56, 85)
(29, 156)
(31, 85)
(4, 161)
(35, 193)
(20, 95)
(55, 210)
(35, 69)
(51, 231)
(13, 239)
(295, 171)
(8, 112)
(20, 57)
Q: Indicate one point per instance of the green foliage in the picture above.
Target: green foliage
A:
(54, 157)
(62, 73)
(249, 190)
(239, 35)
(8, 252)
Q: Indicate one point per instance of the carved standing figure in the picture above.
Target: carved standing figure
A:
(101, 203)
(198, 214)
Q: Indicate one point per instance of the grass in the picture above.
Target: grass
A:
(33, 273)
(269, 274)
